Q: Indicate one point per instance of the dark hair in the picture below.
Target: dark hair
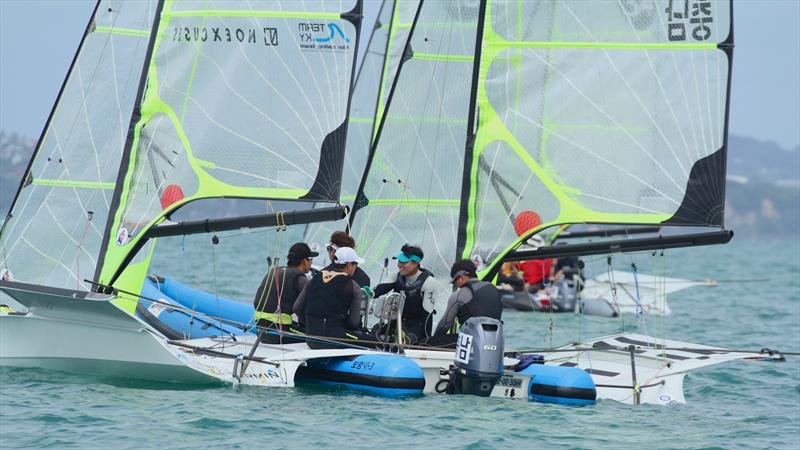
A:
(342, 239)
(409, 249)
(463, 265)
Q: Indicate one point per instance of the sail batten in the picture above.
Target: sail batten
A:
(585, 112)
(54, 231)
(217, 118)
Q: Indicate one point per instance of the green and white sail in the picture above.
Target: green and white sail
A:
(361, 127)
(413, 183)
(242, 99)
(54, 230)
(584, 112)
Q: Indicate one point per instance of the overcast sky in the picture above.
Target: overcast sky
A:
(38, 39)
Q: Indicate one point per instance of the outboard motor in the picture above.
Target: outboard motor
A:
(479, 357)
(565, 295)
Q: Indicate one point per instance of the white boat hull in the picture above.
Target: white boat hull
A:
(87, 334)
(84, 333)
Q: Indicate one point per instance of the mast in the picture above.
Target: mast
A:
(385, 61)
(466, 184)
(126, 152)
(361, 200)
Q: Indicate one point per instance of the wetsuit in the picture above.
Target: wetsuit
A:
(474, 299)
(330, 306)
(418, 307)
(274, 300)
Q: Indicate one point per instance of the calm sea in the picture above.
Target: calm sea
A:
(745, 404)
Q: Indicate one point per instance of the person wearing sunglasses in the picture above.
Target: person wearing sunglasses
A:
(472, 298)
(277, 293)
(420, 288)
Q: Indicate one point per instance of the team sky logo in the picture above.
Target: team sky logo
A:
(315, 36)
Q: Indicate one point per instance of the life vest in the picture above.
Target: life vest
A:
(412, 309)
(329, 296)
(485, 302)
(281, 283)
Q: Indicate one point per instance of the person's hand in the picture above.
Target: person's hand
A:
(368, 290)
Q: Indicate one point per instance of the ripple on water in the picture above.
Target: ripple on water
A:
(744, 404)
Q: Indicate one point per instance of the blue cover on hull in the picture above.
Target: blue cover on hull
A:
(389, 375)
(562, 385)
(206, 303)
(176, 324)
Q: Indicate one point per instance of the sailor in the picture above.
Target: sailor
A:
(330, 304)
(536, 273)
(342, 239)
(278, 292)
(473, 298)
(420, 288)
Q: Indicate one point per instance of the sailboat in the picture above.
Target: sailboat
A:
(509, 96)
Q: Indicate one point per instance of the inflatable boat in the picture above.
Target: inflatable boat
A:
(379, 373)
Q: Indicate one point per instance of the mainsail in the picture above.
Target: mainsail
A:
(584, 112)
(371, 78)
(373, 82)
(55, 227)
(244, 99)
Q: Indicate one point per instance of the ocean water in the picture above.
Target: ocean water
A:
(744, 404)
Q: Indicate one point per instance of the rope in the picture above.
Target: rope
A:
(613, 282)
(214, 242)
(89, 215)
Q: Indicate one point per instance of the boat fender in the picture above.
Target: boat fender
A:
(560, 384)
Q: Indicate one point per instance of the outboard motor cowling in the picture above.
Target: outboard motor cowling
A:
(566, 295)
(479, 357)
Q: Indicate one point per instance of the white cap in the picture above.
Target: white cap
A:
(346, 255)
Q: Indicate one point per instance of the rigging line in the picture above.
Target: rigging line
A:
(137, 297)
(77, 253)
(438, 123)
(137, 181)
(384, 66)
(374, 146)
(70, 240)
(499, 242)
(713, 350)
(610, 269)
(214, 241)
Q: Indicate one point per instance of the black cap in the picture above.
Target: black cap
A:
(300, 251)
(462, 267)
